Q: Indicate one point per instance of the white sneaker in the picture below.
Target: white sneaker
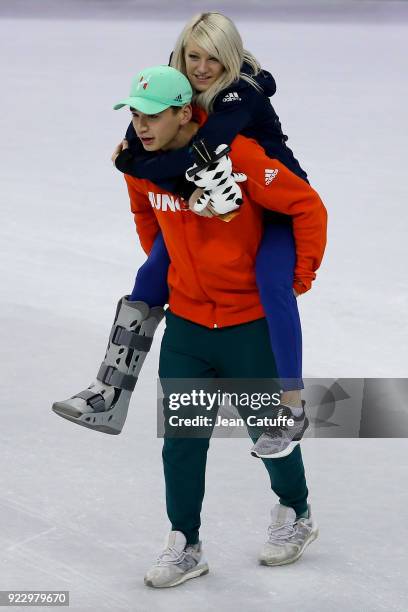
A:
(287, 536)
(177, 563)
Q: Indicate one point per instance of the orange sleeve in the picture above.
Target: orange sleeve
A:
(146, 223)
(272, 185)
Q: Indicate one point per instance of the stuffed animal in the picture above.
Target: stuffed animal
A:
(213, 173)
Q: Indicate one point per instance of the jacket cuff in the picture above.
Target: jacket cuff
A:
(301, 286)
(123, 160)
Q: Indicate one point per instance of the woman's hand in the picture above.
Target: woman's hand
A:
(118, 149)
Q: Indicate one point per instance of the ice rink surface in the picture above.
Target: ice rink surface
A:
(84, 512)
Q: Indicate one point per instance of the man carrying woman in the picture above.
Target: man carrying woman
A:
(220, 291)
(215, 325)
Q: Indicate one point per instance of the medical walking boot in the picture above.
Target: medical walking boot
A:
(104, 404)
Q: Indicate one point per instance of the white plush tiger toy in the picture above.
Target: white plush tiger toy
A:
(214, 175)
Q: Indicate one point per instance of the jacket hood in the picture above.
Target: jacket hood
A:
(263, 78)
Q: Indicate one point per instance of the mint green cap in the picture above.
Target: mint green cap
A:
(155, 89)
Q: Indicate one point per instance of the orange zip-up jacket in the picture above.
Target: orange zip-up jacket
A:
(212, 270)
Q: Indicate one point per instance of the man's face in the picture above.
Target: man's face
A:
(157, 131)
(202, 69)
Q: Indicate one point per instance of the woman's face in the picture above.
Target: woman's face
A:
(202, 69)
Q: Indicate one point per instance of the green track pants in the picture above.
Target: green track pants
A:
(189, 350)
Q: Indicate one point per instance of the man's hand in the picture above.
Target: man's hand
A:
(118, 149)
(208, 211)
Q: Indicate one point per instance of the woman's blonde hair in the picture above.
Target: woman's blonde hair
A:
(219, 37)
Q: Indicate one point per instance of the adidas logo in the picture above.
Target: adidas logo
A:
(270, 175)
(231, 97)
(178, 98)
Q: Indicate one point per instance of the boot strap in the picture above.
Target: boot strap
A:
(111, 376)
(95, 400)
(131, 339)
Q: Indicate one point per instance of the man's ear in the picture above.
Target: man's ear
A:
(186, 114)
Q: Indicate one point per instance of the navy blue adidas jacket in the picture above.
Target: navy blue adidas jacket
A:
(240, 108)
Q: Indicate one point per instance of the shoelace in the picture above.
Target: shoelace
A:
(175, 556)
(287, 530)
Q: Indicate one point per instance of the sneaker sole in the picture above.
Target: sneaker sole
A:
(202, 571)
(290, 447)
(312, 538)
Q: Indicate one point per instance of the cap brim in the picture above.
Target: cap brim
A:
(147, 107)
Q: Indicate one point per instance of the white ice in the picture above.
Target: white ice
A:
(84, 512)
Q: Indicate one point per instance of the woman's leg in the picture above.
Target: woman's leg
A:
(275, 265)
(151, 279)
(103, 406)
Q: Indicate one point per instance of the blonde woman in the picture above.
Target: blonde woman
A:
(230, 86)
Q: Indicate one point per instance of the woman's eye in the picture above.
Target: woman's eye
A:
(193, 57)
(214, 59)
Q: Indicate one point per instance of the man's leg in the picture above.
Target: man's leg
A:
(183, 355)
(288, 480)
(244, 351)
